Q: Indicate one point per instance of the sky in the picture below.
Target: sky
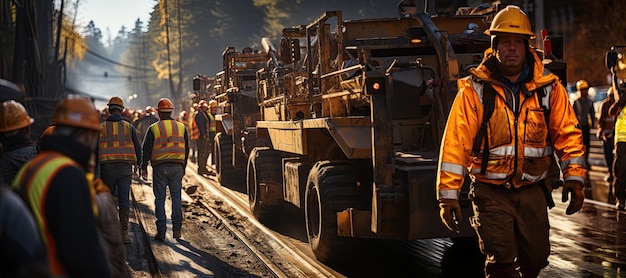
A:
(113, 14)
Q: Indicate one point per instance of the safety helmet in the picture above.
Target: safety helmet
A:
(194, 106)
(149, 110)
(116, 102)
(511, 20)
(165, 105)
(203, 104)
(77, 111)
(212, 103)
(48, 131)
(14, 116)
(582, 84)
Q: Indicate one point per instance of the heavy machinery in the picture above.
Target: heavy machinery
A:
(237, 111)
(352, 114)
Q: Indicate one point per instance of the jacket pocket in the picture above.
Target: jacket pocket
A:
(500, 128)
(535, 168)
(535, 127)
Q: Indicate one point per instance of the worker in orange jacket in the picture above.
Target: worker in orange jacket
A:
(509, 158)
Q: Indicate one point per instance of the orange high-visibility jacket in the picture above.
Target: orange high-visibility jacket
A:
(519, 151)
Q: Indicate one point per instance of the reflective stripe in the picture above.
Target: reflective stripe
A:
(478, 88)
(452, 168)
(574, 178)
(116, 143)
(538, 152)
(169, 141)
(33, 180)
(448, 194)
(576, 160)
(502, 151)
(532, 178)
(490, 175)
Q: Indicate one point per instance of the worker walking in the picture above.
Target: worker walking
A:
(212, 128)
(201, 126)
(585, 113)
(54, 184)
(606, 132)
(500, 135)
(619, 163)
(118, 150)
(166, 147)
(15, 133)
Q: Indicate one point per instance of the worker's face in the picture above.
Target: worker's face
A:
(511, 52)
(584, 92)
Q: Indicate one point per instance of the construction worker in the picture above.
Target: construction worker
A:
(142, 124)
(212, 127)
(586, 114)
(55, 186)
(606, 132)
(18, 148)
(619, 163)
(507, 154)
(166, 147)
(195, 133)
(118, 151)
(201, 125)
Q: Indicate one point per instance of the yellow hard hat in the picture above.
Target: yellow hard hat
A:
(116, 101)
(14, 116)
(582, 84)
(77, 111)
(213, 103)
(165, 105)
(511, 20)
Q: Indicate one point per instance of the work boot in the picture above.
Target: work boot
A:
(160, 236)
(176, 233)
(124, 214)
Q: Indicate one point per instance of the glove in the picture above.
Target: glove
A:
(450, 213)
(576, 189)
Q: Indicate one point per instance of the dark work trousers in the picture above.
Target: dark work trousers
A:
(512, 227)
(609, 146)
(203, 153)
(619, 178)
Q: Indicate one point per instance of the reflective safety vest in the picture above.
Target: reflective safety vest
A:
(195, 131)
(169, 141)
(620, 127)
(116, 142)
(211, 123)
(33, 181)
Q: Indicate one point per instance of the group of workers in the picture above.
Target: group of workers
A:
(64, 200)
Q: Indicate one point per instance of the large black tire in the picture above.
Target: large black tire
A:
(223, 153)
(331, 188)
(264, 167)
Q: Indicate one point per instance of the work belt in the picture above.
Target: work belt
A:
(544, 187)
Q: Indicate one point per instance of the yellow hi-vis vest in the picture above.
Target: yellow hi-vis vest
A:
(620, 127)
(169, 141)
(211, 123)
(116, 142)
(33, 181)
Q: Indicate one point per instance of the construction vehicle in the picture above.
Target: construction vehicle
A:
(237, 111)
(352, 115)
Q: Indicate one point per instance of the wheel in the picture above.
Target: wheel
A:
(223, 152)
(331, 188)
(264, 182)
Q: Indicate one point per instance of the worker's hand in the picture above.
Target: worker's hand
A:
(144, 174)
(576, 189)
(450, 213)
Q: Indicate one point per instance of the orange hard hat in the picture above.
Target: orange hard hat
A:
(213, 103)
(116, 101)
(203, 104)
(14, 116)
(48, 131)
(77, 111)
(511, 20)
(165, 105)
